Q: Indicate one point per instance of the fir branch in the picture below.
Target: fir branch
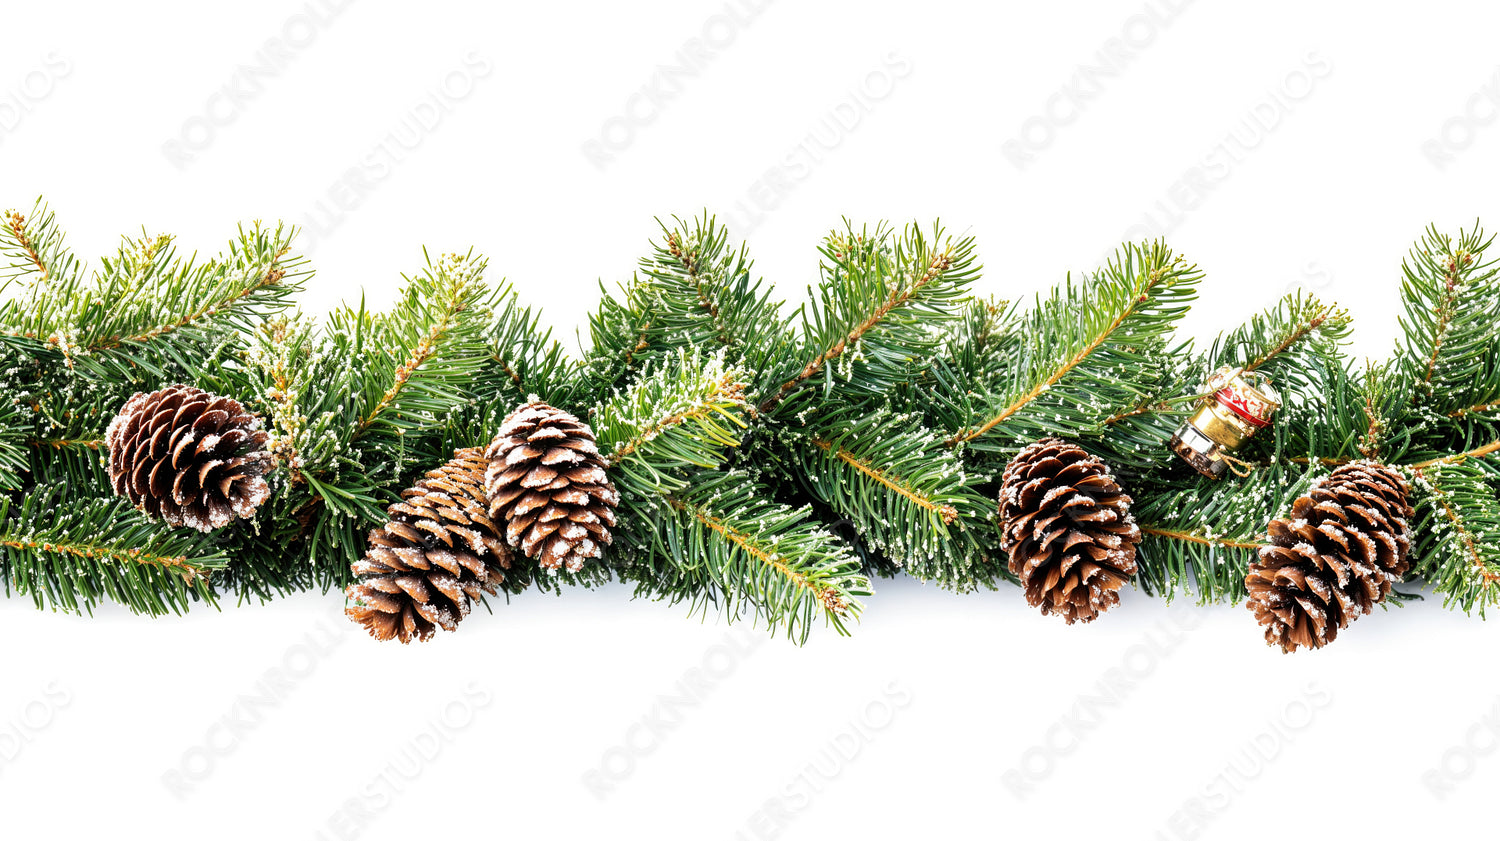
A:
(16, 223)
(1200, 536)
(230, 297)
(898, 297)
(1052, 379)
(1455, 458)
(71, 554)
(1450, 303)
(721, 540)
(1088, 352)
(684, 414)
(36, 255)
(883, 301)
(947, 513)
(1330, 415)
(776, 565)
(765, 556)
(1321, 461)
(620, 330)
(1369, 443)
(975, 348)
(1297, 319)
(523, 354)
(426, 348)
(1464, 537)
(278, 361)
(693, 292)
(1445, 309)
(1458, 518)
(977, 353)
(690, 264)
(434, 332)
(727, 387)
(1152, 403)
(906, 495)
(145, 314)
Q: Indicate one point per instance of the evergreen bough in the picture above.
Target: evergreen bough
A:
(771, 461)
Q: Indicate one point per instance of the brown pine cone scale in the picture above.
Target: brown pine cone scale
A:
(427, 566)
(1066, 525)
(548, 483)
(188, 457)
(1346, 542)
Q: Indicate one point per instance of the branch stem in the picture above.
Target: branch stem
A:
(947, 512)
(1199, 539)
(901, 296)
(1021, 402)
(827, 596)
(84, 550)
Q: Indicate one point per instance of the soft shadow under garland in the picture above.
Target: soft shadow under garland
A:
(174, 432)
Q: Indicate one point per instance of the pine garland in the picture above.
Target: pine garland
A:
(770, 462)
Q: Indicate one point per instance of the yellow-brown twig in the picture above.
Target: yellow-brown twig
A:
(939, 265)
(1464, 535)
(829, 597)
(947, 512)
(1077, 359)
(1478, 452)
(1195, 538)
(178, 562)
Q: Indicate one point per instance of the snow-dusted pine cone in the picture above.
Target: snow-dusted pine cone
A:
(1067, 527)
(547, 481)
(427, 566)
(188, 457)
(1346, 542)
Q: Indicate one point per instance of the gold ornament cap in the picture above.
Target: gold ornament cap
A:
(1238, 403)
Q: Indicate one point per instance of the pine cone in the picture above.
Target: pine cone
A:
(546, 480)
(1345, 544)
(1067, 527)
(188, 457)
(426, 567)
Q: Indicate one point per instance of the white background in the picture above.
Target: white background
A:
(1276, 144)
